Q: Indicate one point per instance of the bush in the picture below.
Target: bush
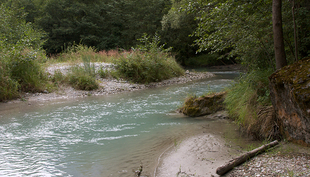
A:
(103, 73)
(80, 79)
(8, 87)
(149, 63)
(58, 77)
(27, 71)
(21, 53)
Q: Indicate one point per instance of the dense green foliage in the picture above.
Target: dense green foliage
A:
(103, 24)
(81, 79)
(247, 95)
(108, 24)
(8, 86)
(225, 29)
(243, 29)
(20, 48)
(150, 62)
(177, 26)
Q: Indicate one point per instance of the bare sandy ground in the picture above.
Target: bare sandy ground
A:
(197, 156)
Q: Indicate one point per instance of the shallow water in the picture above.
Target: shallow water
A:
(101, 136)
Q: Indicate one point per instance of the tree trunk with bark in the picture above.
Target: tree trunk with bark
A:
(278, 34)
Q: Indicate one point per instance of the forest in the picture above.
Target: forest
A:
(196, 32)
(233, 30)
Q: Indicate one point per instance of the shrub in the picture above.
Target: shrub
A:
(144, 67)
(27, 71)
(58, 77)
(88, 66)
(21, 53)
(103, 73)
(149, 63)
(8, 87)
(82, 80)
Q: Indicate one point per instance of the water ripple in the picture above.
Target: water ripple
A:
(94, 136)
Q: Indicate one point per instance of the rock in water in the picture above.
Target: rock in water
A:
(203, 105)
(290, 96)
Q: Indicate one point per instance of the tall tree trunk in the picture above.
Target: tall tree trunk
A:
(278, 34)
(295, 31)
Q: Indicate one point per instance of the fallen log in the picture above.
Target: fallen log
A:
(241, 159)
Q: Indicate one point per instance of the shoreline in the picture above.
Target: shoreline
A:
(200, 155)
(107, 87)
(194, 156)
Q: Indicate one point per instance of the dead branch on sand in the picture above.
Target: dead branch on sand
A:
(241, 159)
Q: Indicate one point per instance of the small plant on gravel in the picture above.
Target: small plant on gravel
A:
(88, 66)
(103, 73)
(82, 80)
(58, 77)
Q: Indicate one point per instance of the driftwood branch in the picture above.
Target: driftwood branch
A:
(241, 159)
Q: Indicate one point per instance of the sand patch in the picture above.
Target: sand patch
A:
(200, 155)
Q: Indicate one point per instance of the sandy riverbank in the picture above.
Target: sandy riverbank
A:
(196, 156)
(201, 155)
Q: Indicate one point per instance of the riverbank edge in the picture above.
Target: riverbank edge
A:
(106, 87)
(286, 159)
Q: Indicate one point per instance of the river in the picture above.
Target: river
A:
(102, 135)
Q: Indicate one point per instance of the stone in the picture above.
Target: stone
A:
(204, 105)
(290, 96)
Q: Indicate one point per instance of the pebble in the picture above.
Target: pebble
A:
(274, 165)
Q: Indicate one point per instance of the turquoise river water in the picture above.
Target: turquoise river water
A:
(100, 136)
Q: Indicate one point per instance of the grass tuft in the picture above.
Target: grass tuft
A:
(77, 54)
(80, 79)
(246, 98)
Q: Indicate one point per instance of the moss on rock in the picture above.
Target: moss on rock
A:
(204, 105)
(297, 76)
(290, 96)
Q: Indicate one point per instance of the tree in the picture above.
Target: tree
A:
(278, 34)
(104, 24)
(177, 27)
(238, 29)
(20, 48)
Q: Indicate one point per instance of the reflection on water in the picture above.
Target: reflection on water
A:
(101, 136)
